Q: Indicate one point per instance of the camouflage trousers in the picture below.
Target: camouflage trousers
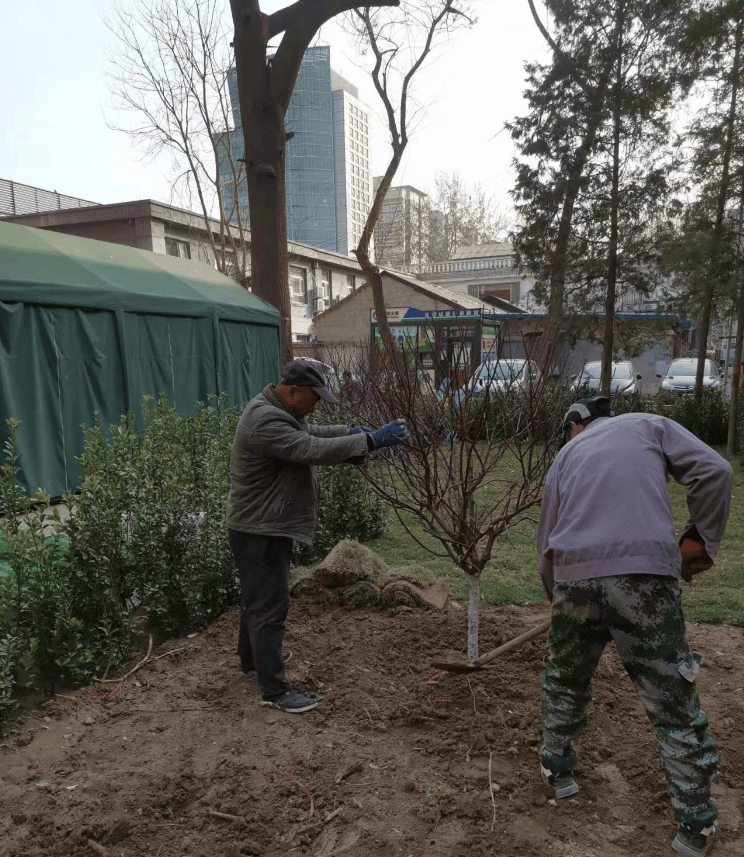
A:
(642, 614)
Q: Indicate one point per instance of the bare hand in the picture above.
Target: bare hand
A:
(694, 559)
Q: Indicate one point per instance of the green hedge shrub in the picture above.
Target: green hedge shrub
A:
(348, 509)
(707, 420)
(40, 628)
(145, 537)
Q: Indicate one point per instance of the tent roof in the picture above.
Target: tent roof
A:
(38, 266)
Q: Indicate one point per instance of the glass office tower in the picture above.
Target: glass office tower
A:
(328, 180)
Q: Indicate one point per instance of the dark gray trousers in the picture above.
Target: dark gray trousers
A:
(263, 566)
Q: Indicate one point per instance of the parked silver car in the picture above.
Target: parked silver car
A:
(500, 376)
(624, 380)
(679, 378)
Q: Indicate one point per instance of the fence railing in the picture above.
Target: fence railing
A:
(16, 198)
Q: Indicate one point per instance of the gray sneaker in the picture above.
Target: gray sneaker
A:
(292, 701)
(694, 843)
(563, 785)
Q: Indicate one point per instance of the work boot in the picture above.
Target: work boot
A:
(563, 785)
(694, 840)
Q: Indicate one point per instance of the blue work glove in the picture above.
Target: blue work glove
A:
(390, 434)
(360, 430)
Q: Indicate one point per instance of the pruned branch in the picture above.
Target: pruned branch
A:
(475, 465)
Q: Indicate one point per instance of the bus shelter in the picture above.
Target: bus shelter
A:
(448, 344)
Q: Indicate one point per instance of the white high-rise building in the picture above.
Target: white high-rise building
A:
(351, 139)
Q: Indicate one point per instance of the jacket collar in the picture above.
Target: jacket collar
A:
(269, 393)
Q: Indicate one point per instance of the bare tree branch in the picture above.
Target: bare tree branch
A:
(475, 465)
(169, 68)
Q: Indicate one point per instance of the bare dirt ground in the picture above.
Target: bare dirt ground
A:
(180, 760)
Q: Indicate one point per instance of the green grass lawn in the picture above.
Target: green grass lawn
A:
(716, 596)
(511, 577)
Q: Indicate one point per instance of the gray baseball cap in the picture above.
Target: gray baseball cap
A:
(303, 373)
(587, 409)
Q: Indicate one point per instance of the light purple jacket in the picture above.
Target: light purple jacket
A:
(606, 507)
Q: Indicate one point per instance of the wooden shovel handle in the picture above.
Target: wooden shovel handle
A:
(513, 644)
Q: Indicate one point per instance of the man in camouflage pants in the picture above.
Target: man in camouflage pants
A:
(609, 561)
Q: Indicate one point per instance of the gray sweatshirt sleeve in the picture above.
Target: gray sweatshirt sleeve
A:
(545, 524)
(326, 431)
(708, 478)
(277, 435)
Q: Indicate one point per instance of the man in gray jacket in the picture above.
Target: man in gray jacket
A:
(609, 562)
(273, 500)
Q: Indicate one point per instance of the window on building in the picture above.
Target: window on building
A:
(173, 247)
(324, 287)
(350, 282)
(298, 284)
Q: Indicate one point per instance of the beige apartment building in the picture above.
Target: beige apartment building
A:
(402, 226)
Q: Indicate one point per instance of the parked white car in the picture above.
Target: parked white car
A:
(679, 378)
(500, 376)
(625, 379)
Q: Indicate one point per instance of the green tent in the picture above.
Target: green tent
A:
(90, 327)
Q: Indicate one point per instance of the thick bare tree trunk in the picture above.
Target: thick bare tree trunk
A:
(269, 256)
(265, 86)
(262, 117)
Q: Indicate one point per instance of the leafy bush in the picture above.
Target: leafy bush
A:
(708, 420)
(37, 607)
(633, 403)
(145, 537)
(348, 509)
(148, 527)
(512, 415)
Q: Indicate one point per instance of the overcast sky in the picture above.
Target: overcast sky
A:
(54, 102)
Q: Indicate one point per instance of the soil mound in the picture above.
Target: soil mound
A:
(178, 758)
(352, 574)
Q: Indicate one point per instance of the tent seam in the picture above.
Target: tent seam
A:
(59, 399)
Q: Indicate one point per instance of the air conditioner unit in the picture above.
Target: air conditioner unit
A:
(320, 305)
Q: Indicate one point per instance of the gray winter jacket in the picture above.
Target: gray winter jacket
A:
(606, 507)
(273, 486)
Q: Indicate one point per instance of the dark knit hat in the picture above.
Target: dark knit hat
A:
(587, 410)
(303, 373)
